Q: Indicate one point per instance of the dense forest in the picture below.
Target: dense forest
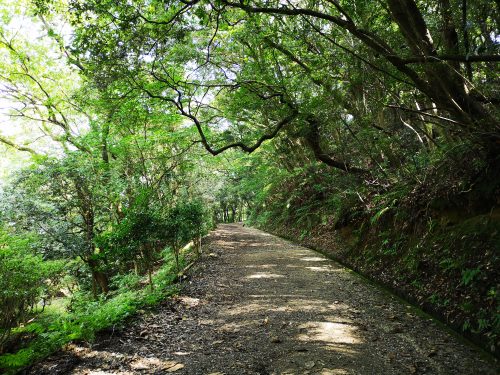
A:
(368, 130)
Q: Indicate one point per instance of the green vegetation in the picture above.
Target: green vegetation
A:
(84, 316)
(368, 129)
(24, 283)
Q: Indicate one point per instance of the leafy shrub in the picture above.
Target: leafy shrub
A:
(88, 315)
(184, 221)
(25, 278)
(128, 281)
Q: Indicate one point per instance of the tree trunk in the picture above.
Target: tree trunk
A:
(443, 84)
(99, 278)
(150, 278)
(176, 254)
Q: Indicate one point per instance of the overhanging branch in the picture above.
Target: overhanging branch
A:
(10, 143)
(249, 149)
(459, 58)
(313, 138)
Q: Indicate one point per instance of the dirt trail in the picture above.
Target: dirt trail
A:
(261, 305)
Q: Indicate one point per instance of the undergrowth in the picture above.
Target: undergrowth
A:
(82, 316)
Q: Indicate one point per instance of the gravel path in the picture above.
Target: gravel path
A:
(257, 304)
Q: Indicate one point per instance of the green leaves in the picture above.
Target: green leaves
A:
(25, 278)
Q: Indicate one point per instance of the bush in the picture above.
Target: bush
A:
(88, 315)
(25, 279)
(184, 222)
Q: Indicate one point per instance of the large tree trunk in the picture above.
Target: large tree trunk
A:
(444, 84)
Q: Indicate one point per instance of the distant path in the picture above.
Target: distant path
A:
(261, 305)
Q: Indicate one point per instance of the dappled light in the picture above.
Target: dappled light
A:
(264, 275)
(320, 269)
(329, 333)
(313, 259)
(126, 363)
(261, 266)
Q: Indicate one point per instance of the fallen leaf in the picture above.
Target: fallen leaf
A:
(175, 367)
(139, 366)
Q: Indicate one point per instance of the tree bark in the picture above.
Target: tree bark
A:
(448, 88)
(99, 278)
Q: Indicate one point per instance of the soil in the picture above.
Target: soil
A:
(257, 304)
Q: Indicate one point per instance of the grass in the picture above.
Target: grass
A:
(56, 326)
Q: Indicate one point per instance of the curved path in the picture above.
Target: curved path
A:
(257, 304)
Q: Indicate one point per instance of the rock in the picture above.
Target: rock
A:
(309, 365)
(275, 339)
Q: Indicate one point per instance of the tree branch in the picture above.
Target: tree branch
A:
(10, 143)
(459, 58)
(313, 138)
(204, 141)
(249, 149)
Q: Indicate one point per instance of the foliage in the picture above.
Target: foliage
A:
(26, 280)
(88, 316)
(183, 222)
